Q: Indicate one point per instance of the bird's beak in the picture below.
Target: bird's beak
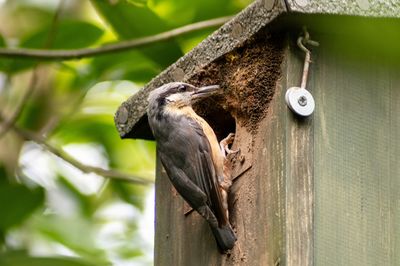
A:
(204, 92)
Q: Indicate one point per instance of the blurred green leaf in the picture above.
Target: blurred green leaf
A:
(137, 2)
(86, 203)
(86, 129)
(24, 202)
(2, 42)
(3, 175)
(68, 35)
(175, 13)
(128, 193)
(21, 259)
(131, 65)
(93, 121)
(30, 18)
(36, 111)
(181, 12)
(133, 21)
(76, 233)
(206, 9)
(129, 253)
(3, 62)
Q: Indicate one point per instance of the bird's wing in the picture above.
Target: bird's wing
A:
(186, 155)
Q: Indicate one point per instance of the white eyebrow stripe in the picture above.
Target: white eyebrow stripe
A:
(173, 97)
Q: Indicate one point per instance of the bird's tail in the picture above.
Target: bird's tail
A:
(224, 236)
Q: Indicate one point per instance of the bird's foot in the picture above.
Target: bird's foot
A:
(224, 144)
(226, 184)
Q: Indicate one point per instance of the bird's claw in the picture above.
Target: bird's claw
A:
(224, 144)
(232, 151)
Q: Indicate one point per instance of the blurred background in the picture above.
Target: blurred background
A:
(61, 159)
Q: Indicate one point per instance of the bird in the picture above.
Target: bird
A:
(191, 155)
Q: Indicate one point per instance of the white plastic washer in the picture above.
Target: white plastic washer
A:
(292, 97)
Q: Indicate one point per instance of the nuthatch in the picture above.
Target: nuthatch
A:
(191, 155)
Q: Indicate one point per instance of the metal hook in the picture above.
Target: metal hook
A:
(299, 99)
(302, 41)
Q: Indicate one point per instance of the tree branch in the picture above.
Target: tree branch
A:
(112, 174)
(111, 48)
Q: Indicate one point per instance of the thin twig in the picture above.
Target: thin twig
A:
(7, 124)
(111, 48)
(112, 174)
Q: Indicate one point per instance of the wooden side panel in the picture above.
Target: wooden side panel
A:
(180, 239)
(357, 151)
(299, 171)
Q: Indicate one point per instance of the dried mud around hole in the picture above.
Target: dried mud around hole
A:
(248, 76)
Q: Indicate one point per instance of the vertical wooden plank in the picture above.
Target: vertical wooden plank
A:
(272, 163)
(167, 207)
(259, 194)
(180, 239)
(357, 172)
(299, 172)
(394, 172)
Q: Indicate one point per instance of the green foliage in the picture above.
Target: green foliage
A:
(58, 229)
(131, 65)
(48, 208)
(3, 63)
(22, 259)
(64, 37)
(128, 21)
(24, 202)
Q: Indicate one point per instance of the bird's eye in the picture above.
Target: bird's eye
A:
(182, 88)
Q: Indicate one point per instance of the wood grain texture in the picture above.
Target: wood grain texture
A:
(299, 171)
(357, 214)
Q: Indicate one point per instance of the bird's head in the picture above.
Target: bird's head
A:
(179, 94)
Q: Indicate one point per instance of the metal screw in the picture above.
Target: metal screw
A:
(302, 100)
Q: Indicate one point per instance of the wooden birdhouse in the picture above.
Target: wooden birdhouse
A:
(318, 177)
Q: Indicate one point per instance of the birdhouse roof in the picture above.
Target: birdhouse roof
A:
(131, 119)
